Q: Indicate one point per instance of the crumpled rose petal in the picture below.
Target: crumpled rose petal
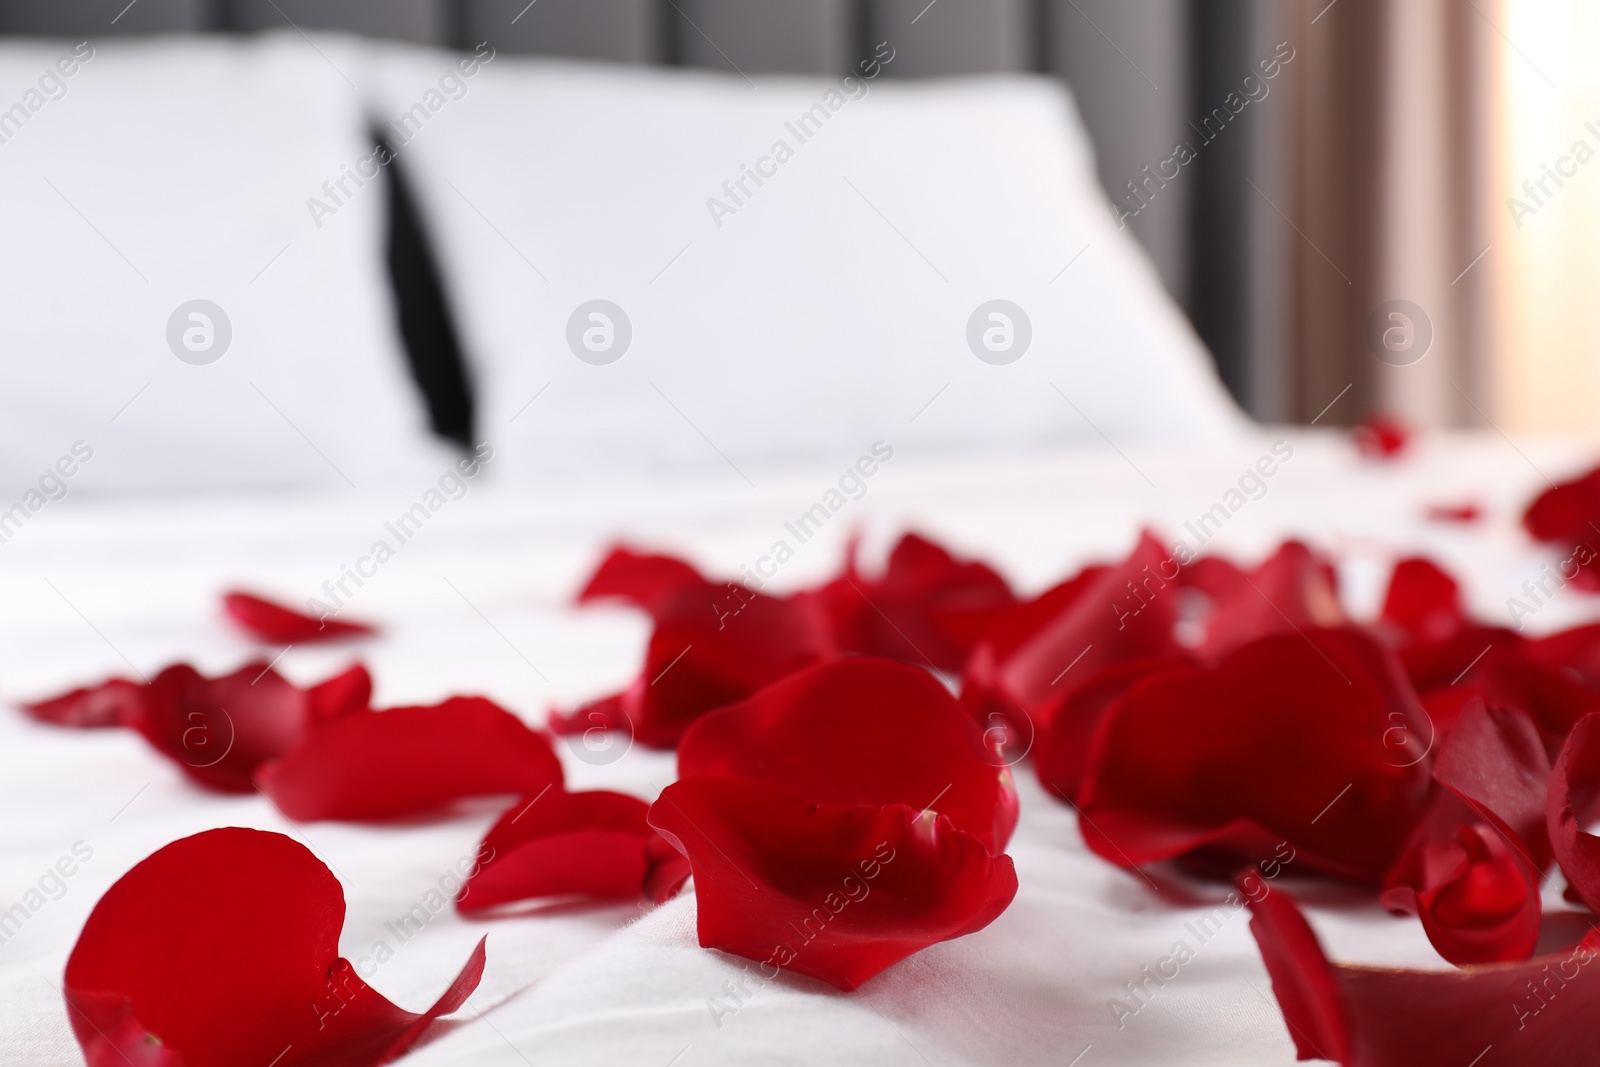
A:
(1103, 616)
(1568, 516)
(377, 765)
(222, 949)
(278, 625)
(1574, 652)
(219, 730)
(927, 607)
(1313, 738)
(862, 731)
(1504, 675)
(1543, 1012)
(835, 891)
(1472, 870)
(343, 694)
(648, 582)
(1424, 602)
(595, 845)
(712, 646)
(1062, 755)
(1292, 589)
(113, 702)
(1574, 801)
(1382, 437)
(1459, 513)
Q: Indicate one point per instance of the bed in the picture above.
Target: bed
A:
(281, 472)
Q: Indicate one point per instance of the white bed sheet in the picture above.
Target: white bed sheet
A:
(478, 602)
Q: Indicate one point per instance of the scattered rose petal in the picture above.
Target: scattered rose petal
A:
(835, 891)
(1292, 589)
(343, 694)
(928, 606)
(376, 765)
(1574, 801)
(1472, 870)
(1424, 602)
(1382, 437)
(111, 703)
(1567, 516)
(1543, 1012)
(278, 625)
(648, 582)
(1062, 755)
(1316, 739)
(1101, 617)
(557, 844)
(1465, 514)
(862, 731)
(712, 646)
(222, 949)
(219, 730)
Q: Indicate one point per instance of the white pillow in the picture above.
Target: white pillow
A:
(807, 316)
(162, 172)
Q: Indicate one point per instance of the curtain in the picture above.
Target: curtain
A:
(1387, 210)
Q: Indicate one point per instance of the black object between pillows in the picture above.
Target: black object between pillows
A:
(427, 327)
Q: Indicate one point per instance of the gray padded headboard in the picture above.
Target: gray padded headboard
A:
(1126, 59)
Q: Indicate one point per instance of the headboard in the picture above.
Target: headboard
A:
(1126, 60)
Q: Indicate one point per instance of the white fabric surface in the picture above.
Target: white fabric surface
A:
(92, 582)
(832, 306)
(162, 172)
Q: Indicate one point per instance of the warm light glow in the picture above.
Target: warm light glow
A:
(1547, 231)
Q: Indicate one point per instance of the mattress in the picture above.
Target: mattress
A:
(478, 600)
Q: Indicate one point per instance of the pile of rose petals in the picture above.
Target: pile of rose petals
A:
(845, 792)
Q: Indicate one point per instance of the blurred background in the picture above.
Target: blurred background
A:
(1401, 150)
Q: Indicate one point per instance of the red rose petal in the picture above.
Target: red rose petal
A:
(711, 647)
(928, 607)
(558, 844)
(1070, 724)
(223, 949)
(377, 765)
(1472, 869)
(1544, 1012)
(111, 703)
(1574, 652)
(1291, 590)
(278, 625)
(1563, 512)
(341, 695)
(1424, 601)
(1102, 617)
(862, 731)
(1574, 801)
(648, 582)
(838, 892)
(1460, 513)
(219, 730)
(1312, 738)
(1506, 676)
(1382, 437)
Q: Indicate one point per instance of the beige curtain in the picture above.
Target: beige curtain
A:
(1390, 150)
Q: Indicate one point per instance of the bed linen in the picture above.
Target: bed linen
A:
(478, 601)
